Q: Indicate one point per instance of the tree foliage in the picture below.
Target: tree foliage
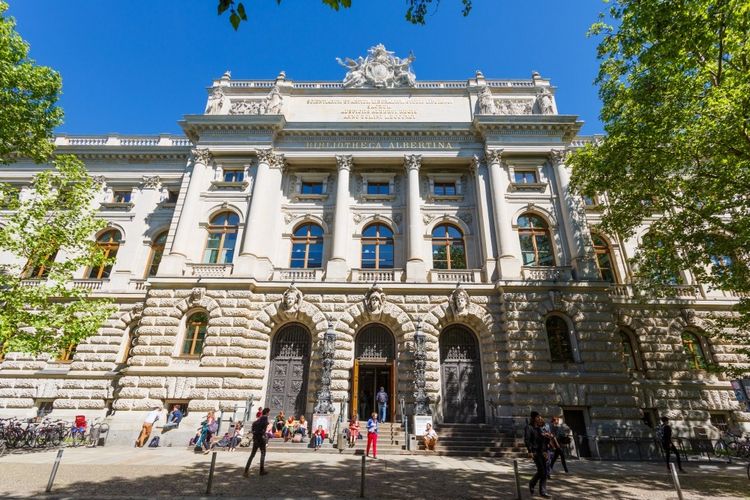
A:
(674, 80)
(28, 96)
(416, 10)
(50, 231)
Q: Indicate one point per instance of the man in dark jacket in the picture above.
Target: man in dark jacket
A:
(667, 444)
(538, 444)
(258, 429)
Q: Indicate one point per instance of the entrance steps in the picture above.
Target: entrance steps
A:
(474, 440)
(456, 440)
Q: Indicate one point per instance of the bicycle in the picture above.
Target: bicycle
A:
(97, 429)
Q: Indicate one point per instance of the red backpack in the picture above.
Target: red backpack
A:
(81, 421)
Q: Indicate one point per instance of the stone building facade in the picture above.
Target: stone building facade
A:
(372, 209)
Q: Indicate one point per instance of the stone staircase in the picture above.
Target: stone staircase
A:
(457, 440)
(390, 442)
(474, 440)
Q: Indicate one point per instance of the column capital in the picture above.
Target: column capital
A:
(476, 162)
(558, 156)
(201, 155)
(412, 162)
(267, 156)
(151, 182)
(493, 155)
(344, 162)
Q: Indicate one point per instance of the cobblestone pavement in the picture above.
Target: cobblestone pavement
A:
(127, 472)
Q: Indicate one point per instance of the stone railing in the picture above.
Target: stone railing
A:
(298, 275)
(33, 282)
(378, 275)
(209, 270)
(139, 285)
(547, 273)
(91, 284)
(163, 140)
(456, 276)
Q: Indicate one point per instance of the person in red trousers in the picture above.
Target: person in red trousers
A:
(372, 435)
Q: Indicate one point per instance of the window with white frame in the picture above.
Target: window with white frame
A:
(378, 186)
(446, 187)
(526, 177)
(231, 177)
(310, 186)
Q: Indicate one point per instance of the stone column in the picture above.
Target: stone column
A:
(262, 222)
(184, 235)
(415, 266)
(337, 268)
(577, 234)
(508, 261)
(485, 231)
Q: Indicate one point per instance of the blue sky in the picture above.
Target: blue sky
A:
(138, 66)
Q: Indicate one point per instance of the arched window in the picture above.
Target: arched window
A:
(536, 245)
(222, 238)
(157, 250)
(558, 336)
(195, 334)
(377, 247)
(448, 249)
(307, 246)
(40, 269)
(603, 259)
(692, 344)
(109, 243)
(628, 351)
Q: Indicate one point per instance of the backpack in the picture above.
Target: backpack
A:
(213, 427)
(154, 442)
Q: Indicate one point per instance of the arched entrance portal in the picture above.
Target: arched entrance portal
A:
(461, 376)
(290, 361)
(374, 367)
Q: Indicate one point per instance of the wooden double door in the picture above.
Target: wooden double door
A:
(460, 370)
(290, 364)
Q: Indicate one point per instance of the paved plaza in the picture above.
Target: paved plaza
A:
(119, 472)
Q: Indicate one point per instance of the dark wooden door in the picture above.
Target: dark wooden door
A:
(290, 361)
(463, 400)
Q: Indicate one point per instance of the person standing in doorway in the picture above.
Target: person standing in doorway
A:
(259, 442)
(667, 444)
(538, 444)
(382, 399)
(148, 424)
(372, 435)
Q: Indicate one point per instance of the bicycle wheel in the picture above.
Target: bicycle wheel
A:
(721, 449)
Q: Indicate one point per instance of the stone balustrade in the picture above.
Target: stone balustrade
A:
(547, 273)
(298, 275)
(456, 276)
(209, 270)
(377, 275)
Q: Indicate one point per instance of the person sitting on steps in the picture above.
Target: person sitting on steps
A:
(318, 437)
(430, 437)
(353, 430)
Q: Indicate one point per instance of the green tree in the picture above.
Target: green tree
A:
(416, 10)
(28, 97)
(50, 231)
(674, 80)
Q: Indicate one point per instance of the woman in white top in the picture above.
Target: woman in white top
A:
(430, 437)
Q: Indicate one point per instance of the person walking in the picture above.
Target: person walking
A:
(382, 399)
(667, 444)
(372, 435)
(560, 439)
(148, 424)
(259, 442)
(537, 444)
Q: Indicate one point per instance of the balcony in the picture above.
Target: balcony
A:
(379, 275)
(544, 273)
(209, 270)
(455, 276)
(298, 275)
(91, 284)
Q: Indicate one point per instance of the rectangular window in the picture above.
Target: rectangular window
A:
(720, 421)
(378, 188)
(172, 196)
(44, 407)
(590, 201)
(234, 175)
(311, 188)
(121, 196)
(445, 189)
(525, 177)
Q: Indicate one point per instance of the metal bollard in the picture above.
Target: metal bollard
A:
(676, 480)
(211, 474)
(362, 484)
(54, 470)
(518, 480)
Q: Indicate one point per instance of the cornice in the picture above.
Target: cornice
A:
(551, 125)
(197, 125)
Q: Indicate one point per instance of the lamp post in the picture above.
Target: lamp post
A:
(421, 400)
(324, 404)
